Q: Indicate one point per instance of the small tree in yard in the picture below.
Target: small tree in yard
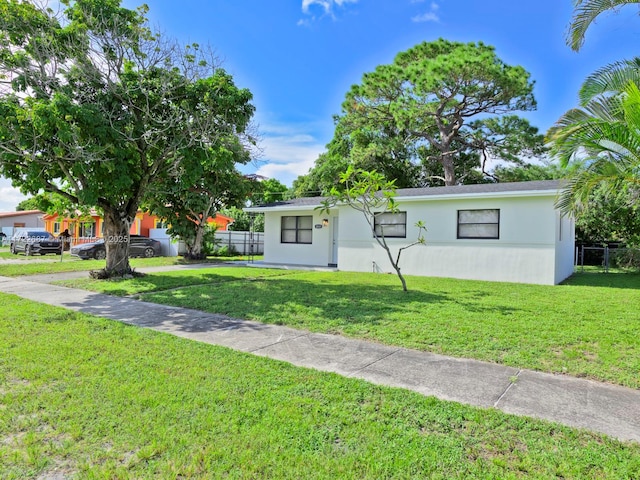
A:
(201, 184)
(373, 195)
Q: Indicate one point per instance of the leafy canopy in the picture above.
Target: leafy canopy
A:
(96, 106)
(438, 104)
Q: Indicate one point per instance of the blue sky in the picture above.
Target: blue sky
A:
(299, 57)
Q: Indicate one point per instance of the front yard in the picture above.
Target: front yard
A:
(586, 328)
(16, 265)
(91, 398)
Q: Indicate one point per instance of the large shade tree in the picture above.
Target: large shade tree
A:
(95, 106)
(436, 106)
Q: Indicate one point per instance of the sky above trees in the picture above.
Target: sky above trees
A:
(300, 57)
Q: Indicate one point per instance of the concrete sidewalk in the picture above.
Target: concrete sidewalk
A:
(600, 407)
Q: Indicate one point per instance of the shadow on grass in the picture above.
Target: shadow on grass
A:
(149, 283)
(338, 303)
(154, 283)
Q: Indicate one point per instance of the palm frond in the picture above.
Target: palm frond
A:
(585, 12)
(631, 104)
(611, 78)
(606, 109)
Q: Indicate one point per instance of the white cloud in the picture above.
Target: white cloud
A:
(327, 7)
(426, 17)
(325, 4)
(9, 196)
(430, 16)
(287, 151)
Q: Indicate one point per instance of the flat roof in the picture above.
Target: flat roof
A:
(23, 212)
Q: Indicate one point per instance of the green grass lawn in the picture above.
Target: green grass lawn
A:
(73, 264)
(92, 398)
(586, 328)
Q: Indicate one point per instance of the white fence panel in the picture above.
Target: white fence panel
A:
(245, 243)
(170, 247)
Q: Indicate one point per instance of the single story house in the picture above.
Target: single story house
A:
(509, 232)
(12, 221)
(90, 227)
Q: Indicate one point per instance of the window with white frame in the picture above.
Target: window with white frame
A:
(87, 229)
(390, 224)
(477, 224)
(296, 229)
(56, 228)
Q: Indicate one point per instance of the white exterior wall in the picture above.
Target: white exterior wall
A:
(317, 253)
(525, 251)
(565, 247)
(30, 220)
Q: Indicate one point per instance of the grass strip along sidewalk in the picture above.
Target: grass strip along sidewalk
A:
(95, 398)
(587, 328)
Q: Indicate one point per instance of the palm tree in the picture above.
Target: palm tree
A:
(602, 137)
(585, 12)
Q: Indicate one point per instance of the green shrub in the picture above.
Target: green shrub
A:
(625, 258)
(210, 243)
(226, 251)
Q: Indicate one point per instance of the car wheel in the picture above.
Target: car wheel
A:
(148, 252)
(27, 250)
(13, 249)
(100, 254)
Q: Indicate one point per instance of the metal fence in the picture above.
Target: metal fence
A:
(600, 256)
(244, 243)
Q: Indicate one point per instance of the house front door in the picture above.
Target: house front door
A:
(334, 242)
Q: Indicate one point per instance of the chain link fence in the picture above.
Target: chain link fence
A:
(608, 256)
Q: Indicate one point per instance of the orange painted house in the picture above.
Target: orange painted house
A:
(90, 227)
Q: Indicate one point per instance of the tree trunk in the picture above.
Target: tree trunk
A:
(116, 237)
(383, 243)
(449, 170)
(194, 249)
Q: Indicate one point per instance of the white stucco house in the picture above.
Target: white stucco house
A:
(508, 232)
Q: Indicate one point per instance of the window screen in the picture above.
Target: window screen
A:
(479, 224)
(391, 224)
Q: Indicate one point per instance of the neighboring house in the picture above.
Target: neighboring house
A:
(90, 227)
(12, 221)
(86, 227)
(508, 232)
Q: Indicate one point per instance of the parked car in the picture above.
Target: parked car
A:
(138, 247)
(35, 241)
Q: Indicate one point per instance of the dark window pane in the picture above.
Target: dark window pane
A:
(479, 223)
(296, 229)
(304, 236)
(391, 224)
